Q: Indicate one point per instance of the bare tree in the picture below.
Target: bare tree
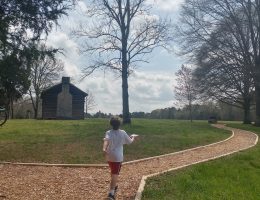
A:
(90, 101)
(221, 73)
(201, 21)
(123, 32)
(45, 70)
(184, 90)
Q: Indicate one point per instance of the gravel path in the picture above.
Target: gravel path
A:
(36, 183)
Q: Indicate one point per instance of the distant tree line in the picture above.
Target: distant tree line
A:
(23, 109)
(200, 112)
(204, 111)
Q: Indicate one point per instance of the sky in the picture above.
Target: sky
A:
(151, 84)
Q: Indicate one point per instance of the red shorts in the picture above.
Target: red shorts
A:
(115, 167)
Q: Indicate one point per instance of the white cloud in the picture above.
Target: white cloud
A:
(61, 40)
(70, 56)
(166, 5)
(82, 6)
(147, 91)
(106, 91)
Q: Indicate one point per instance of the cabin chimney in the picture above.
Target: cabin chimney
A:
(65, 80)
(64, 106)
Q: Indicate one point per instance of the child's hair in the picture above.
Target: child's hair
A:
(115, 122)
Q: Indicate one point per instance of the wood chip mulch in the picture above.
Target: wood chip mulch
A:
(58, 183)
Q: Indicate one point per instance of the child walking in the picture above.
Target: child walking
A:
(113, 150)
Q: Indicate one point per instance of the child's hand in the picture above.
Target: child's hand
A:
(134, 136)
(105, 152)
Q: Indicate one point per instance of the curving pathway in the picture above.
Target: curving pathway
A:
(91, 183)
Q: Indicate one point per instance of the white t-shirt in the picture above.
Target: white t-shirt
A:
(116, 139)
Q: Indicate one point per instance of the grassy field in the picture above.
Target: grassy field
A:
(236, 177)
(81, 141)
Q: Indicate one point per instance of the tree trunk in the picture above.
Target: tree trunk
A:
(246, 107)
(11, 108)
(126, 115)
(36, 107)
(190, 106)
(257, 92)
(34, 104)
(257, 102)
(190, 109)
(86, 99)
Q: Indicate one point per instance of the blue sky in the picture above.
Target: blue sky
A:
(151, 85)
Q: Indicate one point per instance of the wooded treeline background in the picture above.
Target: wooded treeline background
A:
(222, 111)
(200, 112)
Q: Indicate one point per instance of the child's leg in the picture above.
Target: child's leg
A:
(114, 181)
(115, 169)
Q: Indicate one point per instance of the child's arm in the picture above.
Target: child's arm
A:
(105, 145)
(130, 139)
(106, 142)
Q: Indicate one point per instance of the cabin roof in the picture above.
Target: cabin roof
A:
(57, 89)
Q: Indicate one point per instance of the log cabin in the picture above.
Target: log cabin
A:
(63, 101)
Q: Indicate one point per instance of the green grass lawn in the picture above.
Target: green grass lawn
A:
(236, 177)
(81, 141)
